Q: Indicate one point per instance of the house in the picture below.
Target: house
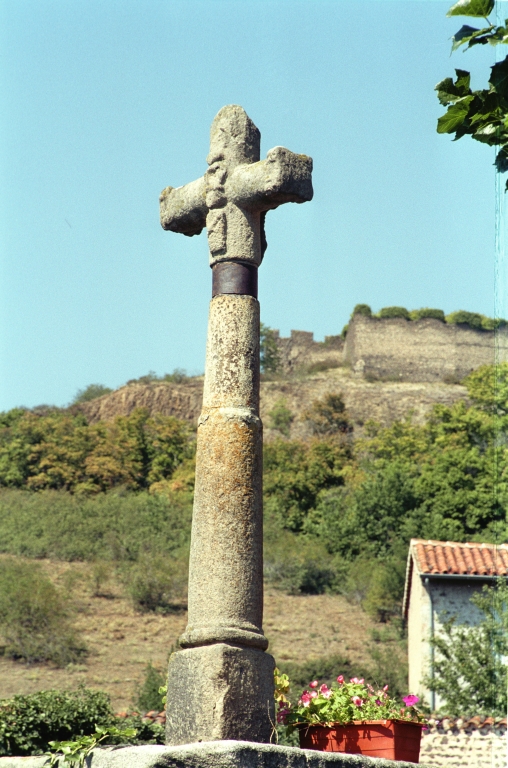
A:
(441, 578)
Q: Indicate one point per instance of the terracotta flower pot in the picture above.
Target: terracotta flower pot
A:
(391, 739)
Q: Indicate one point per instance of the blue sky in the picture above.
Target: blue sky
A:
(105, 103)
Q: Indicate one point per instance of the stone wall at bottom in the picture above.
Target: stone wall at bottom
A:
(460, 744)
(215, 754)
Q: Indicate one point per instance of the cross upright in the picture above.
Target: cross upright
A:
(220, 686)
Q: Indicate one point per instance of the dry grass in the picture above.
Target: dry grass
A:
(122, 642)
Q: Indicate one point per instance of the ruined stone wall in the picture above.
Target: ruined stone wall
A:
(465, 743)
(424, 350)
(300, 352)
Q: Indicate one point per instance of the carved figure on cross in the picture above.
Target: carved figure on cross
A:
(232, 197)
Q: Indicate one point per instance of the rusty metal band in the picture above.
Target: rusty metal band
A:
(236, 278)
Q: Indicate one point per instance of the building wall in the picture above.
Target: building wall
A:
(432, 602)
(459, 744)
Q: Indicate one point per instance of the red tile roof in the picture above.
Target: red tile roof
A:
(452, 557)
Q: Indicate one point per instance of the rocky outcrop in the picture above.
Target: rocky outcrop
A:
(384, 402)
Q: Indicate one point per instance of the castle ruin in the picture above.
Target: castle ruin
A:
(395, 349)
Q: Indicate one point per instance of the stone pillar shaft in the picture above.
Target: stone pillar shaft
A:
(226, 561)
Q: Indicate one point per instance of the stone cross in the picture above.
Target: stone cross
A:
(220, 686)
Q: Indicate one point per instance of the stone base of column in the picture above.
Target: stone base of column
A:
(218, 692)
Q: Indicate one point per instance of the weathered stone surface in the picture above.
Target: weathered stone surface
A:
(237, 189)
(234, 697)
(216, 754)
(223, 681)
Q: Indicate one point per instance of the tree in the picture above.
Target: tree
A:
(470, 669)
(481, 114)
(269, 350)
(90, 393)
(328, 416)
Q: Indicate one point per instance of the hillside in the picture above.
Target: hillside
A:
(382, 401)
(122, 642)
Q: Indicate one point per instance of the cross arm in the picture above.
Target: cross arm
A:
(184, 209)
(284, 177)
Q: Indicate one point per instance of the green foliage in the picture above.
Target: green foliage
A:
(90, 393)
(362, 309)
(269, 350)
(470, 667)
(281, 417)
(344, 702)
(29, 723)
(148, 695)
(328, 416)
(76, 751)
(487, 386)
(388, 312)
(295, 473)
(157, 582)
(481, 114)
(297, 565)
(34, 617)
(420, 314)
(179, 376)
(60, 450)
(111, 526)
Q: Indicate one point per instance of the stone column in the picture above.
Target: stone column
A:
(220, 685)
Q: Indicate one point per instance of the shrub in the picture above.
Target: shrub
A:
(157, 583)
(34, 617)
(111, 526)
(328, 416)
(362, 309)
(298, 566)
(420, 314)
(323, 365)
(473, 319)
(147, 696)
(281, 417)
(90, 393)
(390, 312)
(28, 723)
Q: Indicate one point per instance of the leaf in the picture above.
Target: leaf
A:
(501, 161)
(471, 8)
(449, 92)
(499, 77)
(454, 116)
(446, 91)
(462, 82)
(466, 34)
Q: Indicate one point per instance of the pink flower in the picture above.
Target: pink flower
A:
(314, 684)
(353, 680)
(324, 688)
(410, 700)
(385, 687)
(340, 679)
(305, 699)
(313, 694)
(281, 716)
(361, 681)
(357, 700)
(325, 691)
(378, 702)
